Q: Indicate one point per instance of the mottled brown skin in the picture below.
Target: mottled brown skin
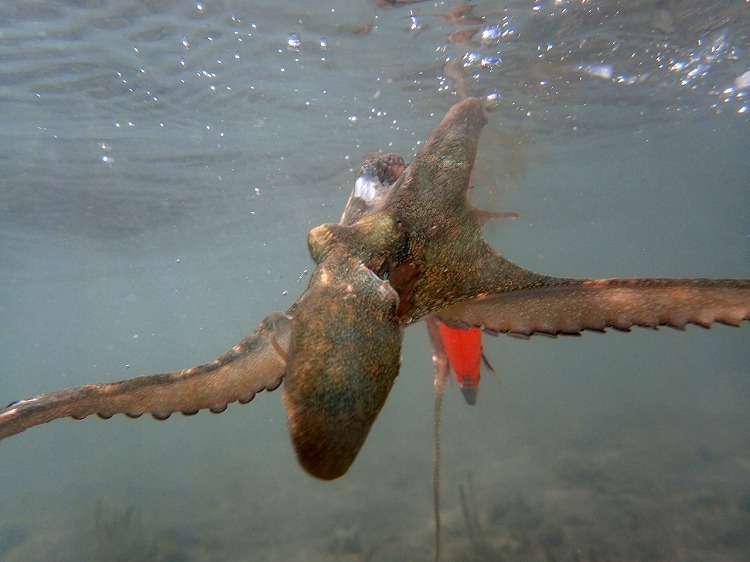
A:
(333, 391)
(415, 249)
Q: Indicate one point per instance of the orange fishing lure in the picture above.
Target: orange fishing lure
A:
(464, 350)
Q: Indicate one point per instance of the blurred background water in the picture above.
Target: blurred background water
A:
(162, 162)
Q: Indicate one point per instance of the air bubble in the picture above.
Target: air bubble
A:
(293, 42)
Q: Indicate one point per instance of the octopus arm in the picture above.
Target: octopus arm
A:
(257, 363)
(570, 306)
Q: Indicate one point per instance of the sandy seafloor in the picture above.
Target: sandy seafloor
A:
(162, 162)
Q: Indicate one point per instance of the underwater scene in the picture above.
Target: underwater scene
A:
(162, 164)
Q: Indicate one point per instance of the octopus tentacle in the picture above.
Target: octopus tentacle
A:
(249, 367)
(570, 306)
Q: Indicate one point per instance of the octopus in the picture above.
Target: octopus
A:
(409, 247)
